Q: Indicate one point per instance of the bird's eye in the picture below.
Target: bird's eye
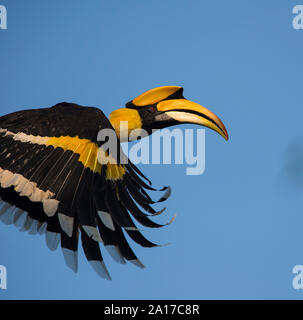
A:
(152, 108)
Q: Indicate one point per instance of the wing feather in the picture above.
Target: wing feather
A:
(60, 190)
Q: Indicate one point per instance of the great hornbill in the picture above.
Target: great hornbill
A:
(52, 182)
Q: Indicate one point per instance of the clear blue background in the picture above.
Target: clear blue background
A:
(238, 231)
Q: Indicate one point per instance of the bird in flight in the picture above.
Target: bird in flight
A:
(52, 181)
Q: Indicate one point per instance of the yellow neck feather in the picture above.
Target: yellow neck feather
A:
(124, 121)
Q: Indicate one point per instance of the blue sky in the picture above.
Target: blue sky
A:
(238, 231)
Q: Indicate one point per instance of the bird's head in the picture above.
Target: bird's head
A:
(160, 108)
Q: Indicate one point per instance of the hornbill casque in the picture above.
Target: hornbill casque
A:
(52, 182)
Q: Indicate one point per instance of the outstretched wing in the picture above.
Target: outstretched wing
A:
(52, 183)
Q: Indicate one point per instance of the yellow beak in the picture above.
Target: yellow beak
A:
(185, 111)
